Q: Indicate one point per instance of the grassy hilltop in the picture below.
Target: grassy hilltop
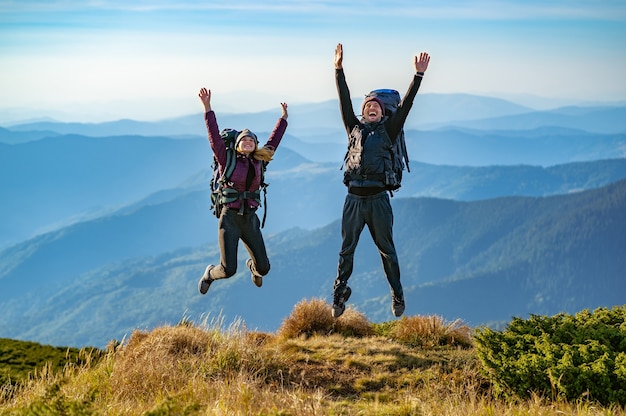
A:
(315, 365)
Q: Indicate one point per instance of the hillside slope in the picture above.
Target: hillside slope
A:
(481, 261)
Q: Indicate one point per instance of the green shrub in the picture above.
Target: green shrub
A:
(572, 357)
(21, 360)
(384, 329)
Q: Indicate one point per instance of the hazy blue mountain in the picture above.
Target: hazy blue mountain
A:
(57, 180)
(319, 122)
(17, 137)
(541, 146)
(472, 183)
(447, 129)
(544, 146)
(481, 261)
(306, 196)
(330, 148)
(170, 127)
(506, 211)
(49, 183)
(308, 119)
(54, 182)
(606, 120)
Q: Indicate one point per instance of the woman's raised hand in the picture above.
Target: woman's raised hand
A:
(284, 109)
(205, 97)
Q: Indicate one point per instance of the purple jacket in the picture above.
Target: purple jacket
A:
(238, 178)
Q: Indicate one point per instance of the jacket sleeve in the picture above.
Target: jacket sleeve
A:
(277, 133)
(395, 124)
(345, 103)
(215, 140)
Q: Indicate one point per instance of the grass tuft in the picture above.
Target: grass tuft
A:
(313, 317)
(430, 332)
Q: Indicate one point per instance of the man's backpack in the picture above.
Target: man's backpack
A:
(221, 194)
(399, 156)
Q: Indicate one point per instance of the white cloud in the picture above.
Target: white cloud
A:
(457, 9)
(100, 52)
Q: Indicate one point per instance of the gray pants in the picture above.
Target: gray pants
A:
(233, 227)
(376, 212)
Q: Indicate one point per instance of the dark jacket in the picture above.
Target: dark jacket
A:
(369, 144)
(240, 173)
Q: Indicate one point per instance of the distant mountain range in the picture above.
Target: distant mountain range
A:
(106, 227)
(482, 261)
(52, 174)
(316, 122)
(51, 183)
(313, 119)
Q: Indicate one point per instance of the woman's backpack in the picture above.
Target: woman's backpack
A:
(222, 194)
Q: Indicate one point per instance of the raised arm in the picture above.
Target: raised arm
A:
(278, 132)
(345, 103)
(396, 123)
(215, 140)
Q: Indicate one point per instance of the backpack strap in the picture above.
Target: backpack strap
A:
(371, 176)
(227, 195)
(231, 160)
(264, 204)
(264, 186)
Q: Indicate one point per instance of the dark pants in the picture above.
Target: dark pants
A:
(376, 212)
(233, 227)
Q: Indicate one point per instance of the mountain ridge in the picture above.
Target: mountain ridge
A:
(107, 234)
(55, 181)
(430, 112)
(530, 253)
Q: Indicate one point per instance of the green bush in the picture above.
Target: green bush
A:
(21, 360)
(572, 357)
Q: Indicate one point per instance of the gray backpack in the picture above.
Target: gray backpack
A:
(399, 156)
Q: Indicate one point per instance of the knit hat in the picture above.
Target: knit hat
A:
(244, 133)
(378, 100)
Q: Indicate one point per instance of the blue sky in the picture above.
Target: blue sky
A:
(88, 60)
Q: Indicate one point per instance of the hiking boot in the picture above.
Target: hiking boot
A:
(397, 305)
(256, 279)
(205, 281)
(339, 301)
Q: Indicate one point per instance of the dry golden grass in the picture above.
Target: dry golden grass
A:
(205, 370)
(349, 366)
(313, 317)
(431, 331)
